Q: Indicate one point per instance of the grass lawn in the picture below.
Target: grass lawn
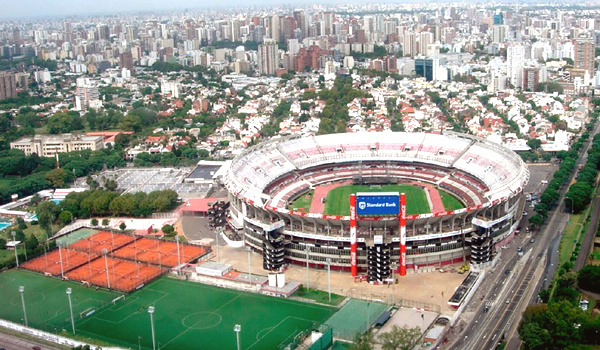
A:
(6, 255)
(46, 300)
(319, 296)
(569, 238)
(338, 199)
(302, 203)
(191, 313)
(450, 202)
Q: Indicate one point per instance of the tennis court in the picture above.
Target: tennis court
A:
(46, 301)
(75, 236)
(353, 318)
(190, 315)
(158, 252)
(58, 261)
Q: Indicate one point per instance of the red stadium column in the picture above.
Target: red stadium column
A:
(402, 234)
(353, 267)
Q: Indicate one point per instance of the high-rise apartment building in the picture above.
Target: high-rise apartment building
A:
(267, 57)
(126, 61)
(8, 86)
(514, 64)
(584, 54)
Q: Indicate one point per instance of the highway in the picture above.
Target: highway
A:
(11, 342)
(508, 294)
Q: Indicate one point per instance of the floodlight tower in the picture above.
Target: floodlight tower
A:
(353, 247)
(402, 234)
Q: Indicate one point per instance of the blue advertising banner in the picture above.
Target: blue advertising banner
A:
(377, 203)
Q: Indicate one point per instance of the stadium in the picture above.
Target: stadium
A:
(265, 182)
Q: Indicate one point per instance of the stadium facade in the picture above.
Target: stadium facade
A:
(487, 178)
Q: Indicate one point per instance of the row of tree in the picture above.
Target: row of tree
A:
(552, 192)
(103, 203)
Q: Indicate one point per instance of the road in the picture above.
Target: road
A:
(484, 330)
(11, 342)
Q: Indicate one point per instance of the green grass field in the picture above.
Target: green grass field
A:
(302, 203)
(192, 315)
(46, 300)
(338, 203)
(450, 202)
(319, 296)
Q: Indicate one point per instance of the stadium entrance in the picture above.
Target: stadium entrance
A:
(378, 206)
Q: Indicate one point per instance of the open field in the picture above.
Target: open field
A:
(302, 203)
(189, 313)
(46, 301)
(450, 202)
(570, 237)
(338, 203)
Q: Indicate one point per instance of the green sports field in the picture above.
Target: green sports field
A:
(46, 300)
(450, 202)
(197, 316)
(338, 199)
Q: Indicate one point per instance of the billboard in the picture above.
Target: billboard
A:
(377, 203)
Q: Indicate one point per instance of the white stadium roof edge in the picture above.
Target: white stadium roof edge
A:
(501, 170)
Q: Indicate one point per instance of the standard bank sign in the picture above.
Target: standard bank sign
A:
(377, 204)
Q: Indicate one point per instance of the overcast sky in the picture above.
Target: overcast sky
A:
(42, 8)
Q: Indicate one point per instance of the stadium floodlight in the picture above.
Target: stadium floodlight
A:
(69, 291)
(151, 312)
(217, 232)
(137, 266)
(178, 257)
(237, 329)
(14, 234)
(394, 266)
(104, 251)
(328, 260)
(307, 250)
(22, 290)
(62, 271)
(249, 250)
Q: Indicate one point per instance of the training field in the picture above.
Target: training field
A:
(46, 301)
(196, 316)
(338, 199)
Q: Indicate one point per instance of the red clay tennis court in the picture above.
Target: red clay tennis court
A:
(132, 260)
(102, 240)
(122, 275)
(157, 252)
(50, 262)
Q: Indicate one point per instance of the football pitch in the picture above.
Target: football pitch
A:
(46, 300)
(338, 199)
(196, 316)
(187, 315)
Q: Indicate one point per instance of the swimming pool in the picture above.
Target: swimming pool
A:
(4, 225)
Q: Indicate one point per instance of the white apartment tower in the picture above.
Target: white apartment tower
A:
(515, 55)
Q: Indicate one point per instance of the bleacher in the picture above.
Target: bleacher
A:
(484, 167)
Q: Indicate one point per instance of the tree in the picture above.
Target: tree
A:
(588, 278)
(363, 341)
(31, 242)
(168, 230)
(94, 222)
(104, 222)
(400, 338)
(58, 177)
(534, 143)
(65, 217)
(2, 243)
(122, 226)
